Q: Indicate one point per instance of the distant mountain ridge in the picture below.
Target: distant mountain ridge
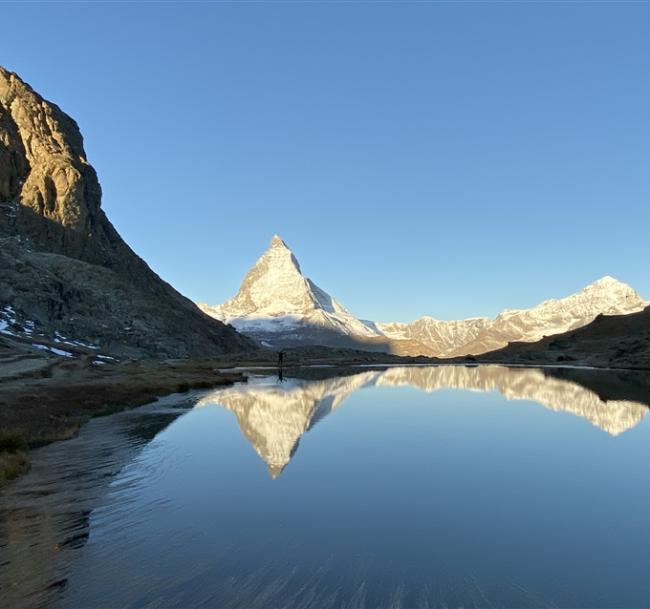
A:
(280, 307)
(606, 296)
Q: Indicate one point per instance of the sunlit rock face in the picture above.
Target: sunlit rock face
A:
(64, 269)
(441, 336)
(274, 416)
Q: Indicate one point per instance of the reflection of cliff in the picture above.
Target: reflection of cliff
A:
(273, 416)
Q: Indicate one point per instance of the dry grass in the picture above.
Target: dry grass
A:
(35, 411)
(13, 460)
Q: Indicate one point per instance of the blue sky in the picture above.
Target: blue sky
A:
(450, 159)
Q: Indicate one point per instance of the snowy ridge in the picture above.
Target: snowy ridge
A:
(278, 306)
(275, 298)
(607, 296)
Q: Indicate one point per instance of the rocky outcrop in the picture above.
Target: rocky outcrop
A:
(63, 266)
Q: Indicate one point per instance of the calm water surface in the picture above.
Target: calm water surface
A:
(404, 487)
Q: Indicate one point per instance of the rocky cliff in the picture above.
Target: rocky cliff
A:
(64, 269)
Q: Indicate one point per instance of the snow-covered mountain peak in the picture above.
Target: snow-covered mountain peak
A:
(606, 281)
(609, 284)
(274, 286)
(277, 258)
(278, 242)
(275, 298)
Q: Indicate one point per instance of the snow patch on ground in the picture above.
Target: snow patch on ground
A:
(53, 350)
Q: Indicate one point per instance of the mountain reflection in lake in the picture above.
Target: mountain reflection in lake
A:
(395, 498)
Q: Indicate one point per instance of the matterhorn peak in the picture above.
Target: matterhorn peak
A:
(278, 242)
(277, 259)
(275, 299)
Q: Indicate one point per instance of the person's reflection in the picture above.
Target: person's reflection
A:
(280, 365)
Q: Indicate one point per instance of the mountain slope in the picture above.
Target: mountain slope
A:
(278, 306)
(63, 267)
(607, 296)
(442, 337)
(616, 341)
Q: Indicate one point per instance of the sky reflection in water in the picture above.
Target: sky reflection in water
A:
(382, 488)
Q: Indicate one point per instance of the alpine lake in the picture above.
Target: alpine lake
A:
(448, 486)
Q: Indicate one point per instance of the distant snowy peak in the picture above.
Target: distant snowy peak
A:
(275, 298)
(440, 336)
(606, 296)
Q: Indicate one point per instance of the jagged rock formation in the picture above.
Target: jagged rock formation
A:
(278, 306)
(63, 267)
(273, 417)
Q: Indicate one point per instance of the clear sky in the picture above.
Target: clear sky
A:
(450, 159)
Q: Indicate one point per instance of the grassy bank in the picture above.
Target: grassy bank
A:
(36, 410)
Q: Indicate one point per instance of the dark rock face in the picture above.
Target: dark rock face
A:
(62, 263)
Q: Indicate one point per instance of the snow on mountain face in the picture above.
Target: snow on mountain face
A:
(275, 300)
(441, 336)
(277, 305)
(606, 296)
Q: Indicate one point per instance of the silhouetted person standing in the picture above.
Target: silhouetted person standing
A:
(280, 364)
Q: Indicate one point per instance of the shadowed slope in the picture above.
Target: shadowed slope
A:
(63, 265)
